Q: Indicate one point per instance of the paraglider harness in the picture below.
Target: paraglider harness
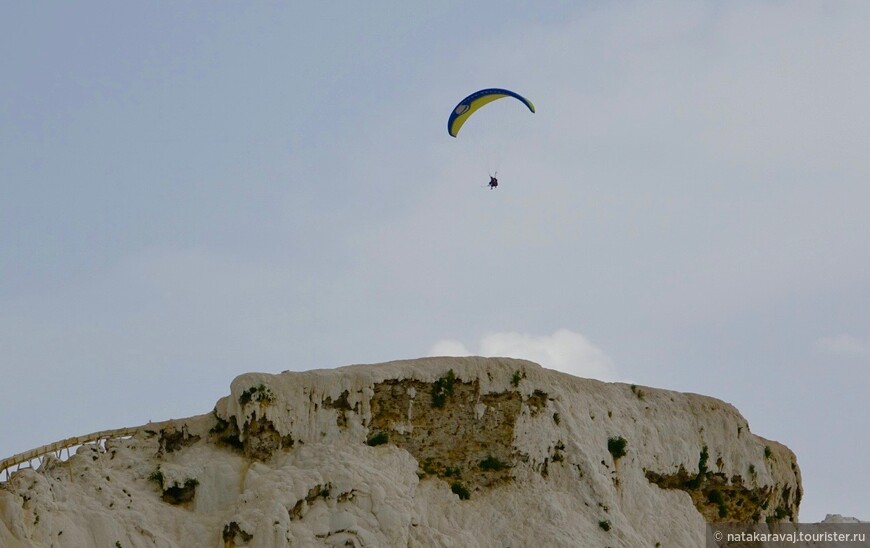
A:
(493, 182)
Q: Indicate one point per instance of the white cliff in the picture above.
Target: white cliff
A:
(432, 452)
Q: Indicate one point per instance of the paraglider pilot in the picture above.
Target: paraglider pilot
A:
(493, 182)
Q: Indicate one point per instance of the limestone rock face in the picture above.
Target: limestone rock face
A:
(458, 452)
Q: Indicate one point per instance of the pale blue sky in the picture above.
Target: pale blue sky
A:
(191, 192)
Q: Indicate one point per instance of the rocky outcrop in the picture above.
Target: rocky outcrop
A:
(429, 452)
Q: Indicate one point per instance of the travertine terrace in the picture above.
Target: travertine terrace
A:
(428, 452)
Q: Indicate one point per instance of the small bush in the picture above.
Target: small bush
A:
(768, 452)
(604, 524)
(556, 418)
(452, 472)
(616, 446)
(702, 461)
(442, 389)
(259, 393)
(460, 490)
(492, 463)
(715, 496)
(637, 391)
(157, 476)
(518, 376)
(378, 439)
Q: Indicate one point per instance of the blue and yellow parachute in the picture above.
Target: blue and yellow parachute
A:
(470, 104)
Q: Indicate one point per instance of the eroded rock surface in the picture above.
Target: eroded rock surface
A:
(428, 452)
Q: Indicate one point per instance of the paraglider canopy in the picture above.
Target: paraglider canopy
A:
(470, 104)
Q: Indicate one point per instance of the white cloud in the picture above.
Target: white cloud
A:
(844, 345)
(564, 351)
(449, 347)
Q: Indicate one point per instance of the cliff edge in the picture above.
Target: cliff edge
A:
(428, 452)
